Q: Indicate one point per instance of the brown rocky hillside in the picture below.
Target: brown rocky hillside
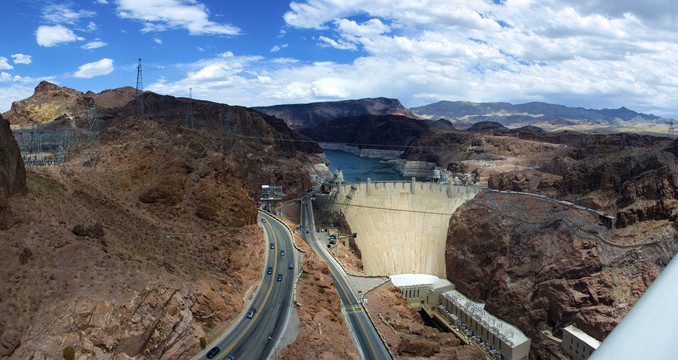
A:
(144, 242)
(542, 266)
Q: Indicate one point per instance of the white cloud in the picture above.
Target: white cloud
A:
(102, 1)
(97, 68)
(337, 44)
(584, 53)
(94, 45)
(21, 58)
(4, 65)
(61, 14)
(160, 15)
(92, 26)
(426, 51)
(157, 40)
(54, 35)
(277, 48)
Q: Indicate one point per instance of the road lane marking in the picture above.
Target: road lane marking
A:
(347, 297)
(275, 265)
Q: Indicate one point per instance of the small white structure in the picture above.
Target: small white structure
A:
(417, 287)
(578, 344)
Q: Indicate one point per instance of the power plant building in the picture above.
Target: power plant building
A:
(439, 299)
(578, 344)
(512, 343)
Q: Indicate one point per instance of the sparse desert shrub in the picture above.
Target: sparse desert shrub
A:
(69, 353)
(203, 342)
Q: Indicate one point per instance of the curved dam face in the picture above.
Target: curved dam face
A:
(401, 227)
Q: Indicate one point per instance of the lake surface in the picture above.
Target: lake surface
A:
(357, 169)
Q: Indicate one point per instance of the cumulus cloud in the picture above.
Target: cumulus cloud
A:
(277, 48)
(157, 40)
(62, 14)
(160, 15)
(420, 52)
(4, 65)
(94, 45)
(97, 68)
(585, 53)
(21, 58)
(54, 35)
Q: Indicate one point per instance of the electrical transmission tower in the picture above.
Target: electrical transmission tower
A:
(671, 128)
(139, 95)
(189, 113)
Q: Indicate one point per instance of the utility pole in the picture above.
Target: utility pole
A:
(139, 95)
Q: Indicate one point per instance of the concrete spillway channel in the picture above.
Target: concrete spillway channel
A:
(401, 227)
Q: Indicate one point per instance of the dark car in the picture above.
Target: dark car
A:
(291, 266)
(229, 357)
(272, 245)
(279, 277)
(251, 312)
(282, 252)
(213, 352)
(263, 220)
(270, 270)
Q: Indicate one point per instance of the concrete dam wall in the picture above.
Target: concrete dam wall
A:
(401, 227)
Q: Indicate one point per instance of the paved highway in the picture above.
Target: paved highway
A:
(366, 336)
(255, 338)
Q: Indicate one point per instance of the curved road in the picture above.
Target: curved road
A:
(367, 338)
(256, 338)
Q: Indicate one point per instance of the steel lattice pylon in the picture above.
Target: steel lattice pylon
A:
(139, 95)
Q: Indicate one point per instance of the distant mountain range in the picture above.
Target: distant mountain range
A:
(300, 116)
(464, 113)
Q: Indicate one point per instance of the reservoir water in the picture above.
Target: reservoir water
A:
(357, 169)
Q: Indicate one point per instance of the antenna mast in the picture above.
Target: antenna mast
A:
(139, 95)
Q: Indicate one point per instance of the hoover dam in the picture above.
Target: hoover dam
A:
(401, 226)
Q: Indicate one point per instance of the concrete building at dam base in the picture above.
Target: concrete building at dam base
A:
(451, 309)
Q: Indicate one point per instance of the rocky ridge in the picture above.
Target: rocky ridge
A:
(12, 173)
(300, 116)
(542, 266)
(149, 245)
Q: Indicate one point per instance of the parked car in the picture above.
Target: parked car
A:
(213, 352)
(251, 312)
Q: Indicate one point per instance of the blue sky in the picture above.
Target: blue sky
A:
(589, 53)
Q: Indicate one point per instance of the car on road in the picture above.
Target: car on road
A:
(279, 277)
(272, 245)
(251, 312)
(282, 252)
(291, 265)
(270, 270)
(213, 352)
(263, 220)
(229, 357)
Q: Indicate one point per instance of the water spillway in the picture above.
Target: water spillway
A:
(401, 226)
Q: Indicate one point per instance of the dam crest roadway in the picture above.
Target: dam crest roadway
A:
(401, 226)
